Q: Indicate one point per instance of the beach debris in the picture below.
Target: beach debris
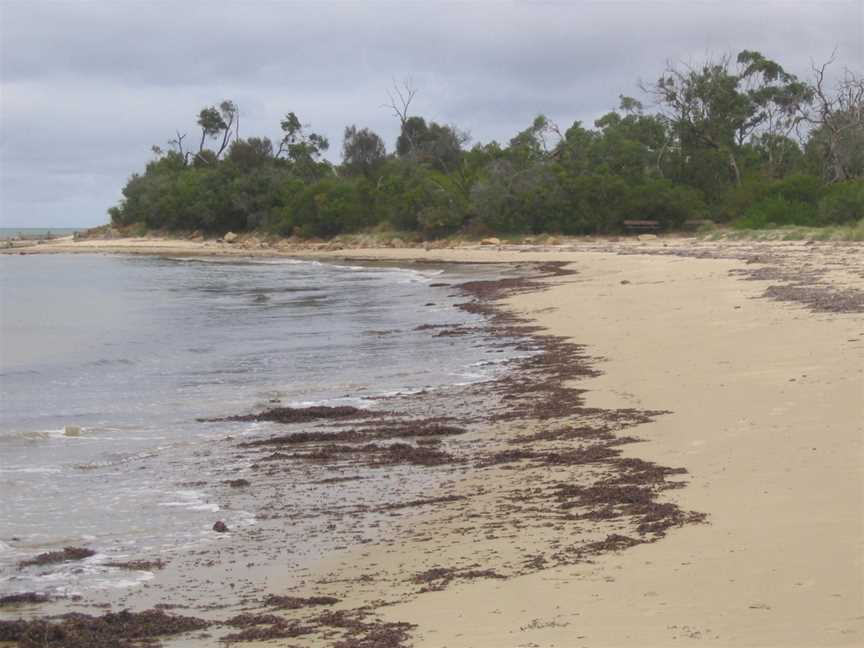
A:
(66, 555)
(112, 630)
(298, 602)
(422, 428)
(612, 542)
(72, 431)
(278, 629)
(23, 598)
(299, 414)
(362, 633)
(230, 237)
(247, 619)
(438, 578)
(446, 499)
(137, 565)
(238, 483)
(379, 455)
(220, 527)
(491, 241)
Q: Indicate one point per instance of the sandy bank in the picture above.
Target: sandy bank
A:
(757, 351)
(767, 402)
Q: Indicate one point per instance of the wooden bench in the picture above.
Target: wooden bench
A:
(641, 225)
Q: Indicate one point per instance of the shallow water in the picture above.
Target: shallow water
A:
(134, 349)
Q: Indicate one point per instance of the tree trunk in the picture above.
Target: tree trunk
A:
(734, 165)
(838, 170)
(660, 156)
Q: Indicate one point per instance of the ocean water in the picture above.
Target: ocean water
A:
(134, 349)
(37, 232)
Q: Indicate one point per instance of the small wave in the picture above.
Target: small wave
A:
(67, 579)
(110, 362)
(193, 507)
(53, 434)
(47, 470)
(15, 373)
(118, 460)
(361, 402)
(489, 363)
(138, 577)
(229, 261)
(191, 500)
(408, 391)
(32, 436)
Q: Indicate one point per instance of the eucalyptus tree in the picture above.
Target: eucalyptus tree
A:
(363, 151)
(630, 143)
(215, 122)
(838, 121)
(719, 107)
(301, 148)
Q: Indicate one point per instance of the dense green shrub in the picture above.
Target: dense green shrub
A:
(843, 203)
(737, 199)
(800, 188)
(663, 201)
(330, 207)
(775, 211)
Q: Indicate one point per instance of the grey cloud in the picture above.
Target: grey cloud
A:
(88, 87)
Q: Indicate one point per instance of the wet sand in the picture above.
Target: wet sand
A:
(756, 351)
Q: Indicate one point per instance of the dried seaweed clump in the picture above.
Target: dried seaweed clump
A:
(113, 630)
(359, 632)
(300, 414)
(51, 557)
(438, 578)
(22, 598)
(297, 602)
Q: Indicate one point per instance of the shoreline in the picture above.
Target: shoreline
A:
(670, 328)
(532, 383)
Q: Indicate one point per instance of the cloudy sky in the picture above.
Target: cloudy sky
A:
(88, 87)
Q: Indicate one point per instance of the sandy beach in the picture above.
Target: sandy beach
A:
(755, 354)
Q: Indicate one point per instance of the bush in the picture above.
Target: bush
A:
(436, 221)
(843, 203)
(596, 204)
(775, 211)
(663, 201)
(329, 207)
(738, 199)
(800, 188)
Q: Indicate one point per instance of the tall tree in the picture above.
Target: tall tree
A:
(362, 150)
(303, 149)
(400, 98)
(838, 121)
(717, 107)
(215, 122)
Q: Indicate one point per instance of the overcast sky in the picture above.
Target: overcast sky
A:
(88, 87)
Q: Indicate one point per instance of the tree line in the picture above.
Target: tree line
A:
(735, 140)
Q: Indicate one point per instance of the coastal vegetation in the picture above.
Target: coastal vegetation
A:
(737, 140)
